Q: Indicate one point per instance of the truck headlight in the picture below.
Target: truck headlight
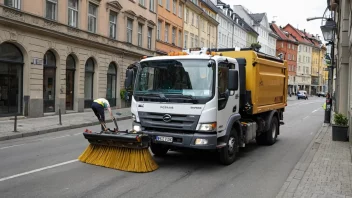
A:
(133, 117)
(207, 127)
(137, 128)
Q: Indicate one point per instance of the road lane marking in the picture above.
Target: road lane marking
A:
(316, 110)
(37, 170)
(11, 146)
(305, 117)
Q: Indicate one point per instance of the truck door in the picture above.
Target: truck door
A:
(227, 102)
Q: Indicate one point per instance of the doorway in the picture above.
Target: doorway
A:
(111, 85)
(11, 68)
(70, 80)
(49, 82)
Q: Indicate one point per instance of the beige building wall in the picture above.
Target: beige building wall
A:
(34, 36)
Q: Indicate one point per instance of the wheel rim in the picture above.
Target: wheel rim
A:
(231, 145)
(273, 131)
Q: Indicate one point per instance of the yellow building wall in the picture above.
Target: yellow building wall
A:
(210, 33)
(190, 28)
(315, 61)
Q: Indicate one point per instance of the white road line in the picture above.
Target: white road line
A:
(37, 170)
(315, 110)
(11, 146)
(305, 117)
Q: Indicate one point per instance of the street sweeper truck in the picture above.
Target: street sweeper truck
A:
(214, 99)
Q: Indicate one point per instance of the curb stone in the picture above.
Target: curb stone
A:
(296, 175)
(44, 131)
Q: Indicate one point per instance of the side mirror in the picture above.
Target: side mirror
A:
(233, 80)
(129, 78)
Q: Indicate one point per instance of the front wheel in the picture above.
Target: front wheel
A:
(227, 154)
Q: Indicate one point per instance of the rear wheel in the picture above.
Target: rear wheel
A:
(159, 149)
(270, 136)
(227, 154)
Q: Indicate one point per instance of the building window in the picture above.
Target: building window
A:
(174, 7)
(150, 32)
(13, 3)
(140, 29)
(161, 2)
(192, 18)
(129, 30)
(185, 40)
(168, 4)
(180, 9)
(174, 36)
(180, 38)
(192, 40)
(151, 5)
(293, 57)
(51, 7)
(166, 36)
(73, 13)
(158, 30)
(49, 81)
(88, 83)
(196, 41)
(187, 16)
(113, 18)
(92, 18)
(142, 2)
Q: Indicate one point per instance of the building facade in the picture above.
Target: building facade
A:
(200, 25)
(63, 54)
(260, 24)
(208, 32)
(226, 26)
(304, 66)
(323, 69)
(287, 46)
(169, 37)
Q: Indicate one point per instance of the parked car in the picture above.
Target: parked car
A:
(302, 95)
(323, 94)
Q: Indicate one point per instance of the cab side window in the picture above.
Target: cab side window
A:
(223, 78)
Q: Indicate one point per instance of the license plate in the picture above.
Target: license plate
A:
(164, 139)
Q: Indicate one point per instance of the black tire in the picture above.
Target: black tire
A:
(228, 154)
(159, 149)
(270, 136)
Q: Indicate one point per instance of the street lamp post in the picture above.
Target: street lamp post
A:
(328, 31)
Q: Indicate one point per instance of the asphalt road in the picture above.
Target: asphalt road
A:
(46, 166)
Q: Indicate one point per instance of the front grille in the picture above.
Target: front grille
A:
(177, 121)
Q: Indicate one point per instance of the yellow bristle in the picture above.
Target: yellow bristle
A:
(125, 159)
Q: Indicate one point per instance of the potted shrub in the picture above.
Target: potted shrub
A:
(340, 128)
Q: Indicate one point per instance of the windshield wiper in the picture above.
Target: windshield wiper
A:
(187, 97)
(160, 95)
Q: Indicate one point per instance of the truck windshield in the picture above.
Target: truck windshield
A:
(175, 80)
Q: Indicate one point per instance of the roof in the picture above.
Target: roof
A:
(210, 5)
(183, 57)
(302, 38)
(283, 35)
(246, 25)
(257, 17)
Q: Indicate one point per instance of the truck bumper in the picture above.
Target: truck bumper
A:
(186, 140)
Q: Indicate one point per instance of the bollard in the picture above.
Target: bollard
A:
(15, 125)
(60, 123)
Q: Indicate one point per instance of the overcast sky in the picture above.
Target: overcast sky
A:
(294, 12)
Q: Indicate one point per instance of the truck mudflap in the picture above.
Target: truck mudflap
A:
(187, 140)
(119, 139)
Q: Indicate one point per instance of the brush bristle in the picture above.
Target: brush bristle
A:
(125, 159)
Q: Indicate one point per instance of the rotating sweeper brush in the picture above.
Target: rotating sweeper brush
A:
(122, 150)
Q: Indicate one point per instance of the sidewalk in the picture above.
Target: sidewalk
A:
(324, 171)
(35, 126)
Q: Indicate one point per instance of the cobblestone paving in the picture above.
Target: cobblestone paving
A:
(324, 171)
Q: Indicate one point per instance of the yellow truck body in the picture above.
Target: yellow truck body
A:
(266, 79)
